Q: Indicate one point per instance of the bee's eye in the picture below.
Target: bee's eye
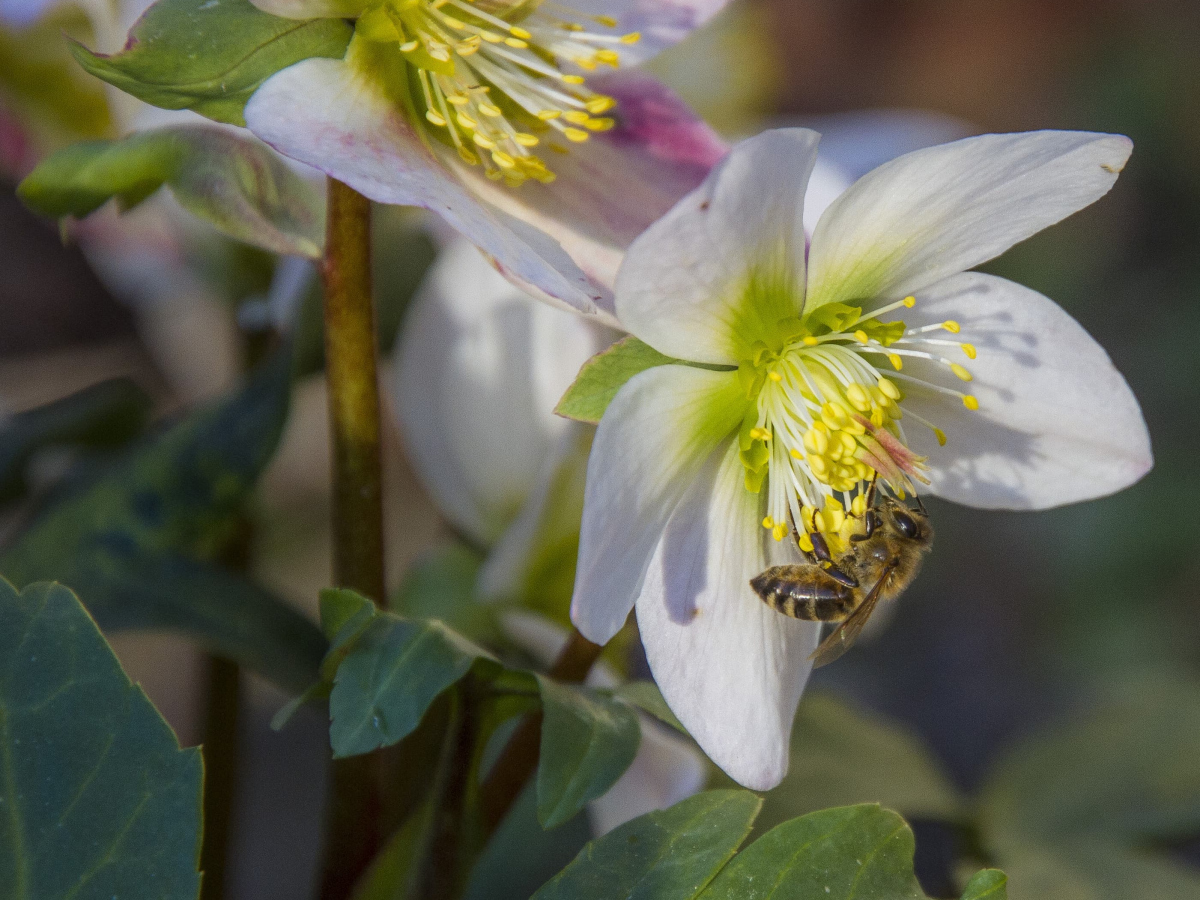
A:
(905, 523)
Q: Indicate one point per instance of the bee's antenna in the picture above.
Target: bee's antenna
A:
(871, 490)
(917, 497)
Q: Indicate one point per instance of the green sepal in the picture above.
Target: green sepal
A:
(604, 374)
(97, 800)
(211, 55)
(238, 185)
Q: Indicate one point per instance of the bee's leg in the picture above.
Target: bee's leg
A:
(820, 548)
(841, 575)
(870, 523)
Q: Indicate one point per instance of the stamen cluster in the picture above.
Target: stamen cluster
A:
(826, 421)
(502, 77)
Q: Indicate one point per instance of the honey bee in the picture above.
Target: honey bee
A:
(883, 560)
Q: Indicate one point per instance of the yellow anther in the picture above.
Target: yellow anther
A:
(849, 444)
(517, 43)
(609, 57)
(485, 142)
(575, 135)
(855, 427)
(833, 519)
(779, 532)
(909, 301)
(821, 426)
(962, 373)
(819, 465)
(775, 376)
(768, 522)
(435, 118)
(547, 115)
(858, 397)
(877, 417)
(604, 124)
(632, 38)
(576, 117)
(806, 543)
(598, 105)
(503, 160)
(968, 349)
(835, 451)
(970, 402)
(896, 361)
(835, 504)
(861, 336)
(888, 388)
(816, 441)
(858, 505)
(795, 454)
(409, 46)
(951, 326)
(811, 341)
(526, 140)
(760, 434)
(941, 436)
(606, 21)
(834, 415)
(519, 32)
(573, 79)
(490, 110)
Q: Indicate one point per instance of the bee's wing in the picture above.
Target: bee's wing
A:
(846, 633)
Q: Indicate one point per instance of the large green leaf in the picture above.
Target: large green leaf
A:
(107, 414)
(237, 184)
(136, 540)
(389, 671)
(211, 55)
(841, 756)
(96, 799)
(588, 741)
(859, 852)
(668, 855)
(1092, 797)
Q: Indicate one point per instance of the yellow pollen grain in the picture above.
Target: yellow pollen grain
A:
(951, 326)
(961, 372)
(970, 402)
(968, 349)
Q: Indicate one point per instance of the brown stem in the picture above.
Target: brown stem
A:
(520, 757)
(220, 741)
(353, 814)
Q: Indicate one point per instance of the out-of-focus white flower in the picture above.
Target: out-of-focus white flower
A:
(840, 362)
(507, 120)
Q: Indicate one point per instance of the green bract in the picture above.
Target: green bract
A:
(236, 184)
(96, 798)
(211, 55)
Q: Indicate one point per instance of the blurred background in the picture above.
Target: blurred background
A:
(1019, 621)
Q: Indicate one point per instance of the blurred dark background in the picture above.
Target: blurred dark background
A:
(1018, 619)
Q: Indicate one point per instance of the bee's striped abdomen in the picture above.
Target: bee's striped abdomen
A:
(804, 592)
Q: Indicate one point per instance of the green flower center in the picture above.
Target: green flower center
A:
(824, 421)
(501, 79)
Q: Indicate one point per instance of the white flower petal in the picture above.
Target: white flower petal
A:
(650, 445)
(620, 182)
(1056, 421)
(938, 211)
(328, 114)
(313, 9)
(661, 23)
(683, 287)
(479, 369)
(731, 668)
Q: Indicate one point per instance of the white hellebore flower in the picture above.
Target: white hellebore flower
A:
(813, 369)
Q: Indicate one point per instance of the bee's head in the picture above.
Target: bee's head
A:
(911, 524)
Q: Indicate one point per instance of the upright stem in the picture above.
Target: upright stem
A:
(220, 741)
(520, 757)
(353, 815)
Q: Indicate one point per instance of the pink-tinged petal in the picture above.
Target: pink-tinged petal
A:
(722, 268)
(661, 23)
(730, 667)
(328, 114)
(611, 189)
(1056, 421)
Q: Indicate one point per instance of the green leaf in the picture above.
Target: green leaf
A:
(107, 414)
(139, 538)
(646, 696)
(211, 55)
(238, 185)
(987, 884)
(394, 669)
(441, 585)
(841, 756)
(671, 854)
(605, 374)
(96, 798)
(588, 741)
